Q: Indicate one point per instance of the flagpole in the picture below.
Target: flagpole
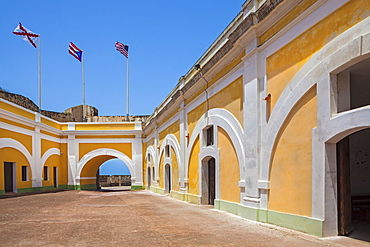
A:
(127, 89)
(39, 71)
(83, 89)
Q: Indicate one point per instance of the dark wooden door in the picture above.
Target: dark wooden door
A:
(344, 188)
(8, 176)
(211, 181)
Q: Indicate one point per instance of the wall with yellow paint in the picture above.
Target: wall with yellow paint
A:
(193, 168)
(174, 172)
(25, 140)
(283, 65)
(229, 169)
(229, 98)
(63, 169)
(46, 145)
(108, 126)
(13, 155)
(17, 110)
(125, 148)
(161, 172)
(172, 129)
(291, 165)
(91, 167)
(51, 162)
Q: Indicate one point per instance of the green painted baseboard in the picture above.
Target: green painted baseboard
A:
(178, 195)
(88, 186)
(136, 187)
(34, 189)
(296, 222)
(193, 199)
(2, 192)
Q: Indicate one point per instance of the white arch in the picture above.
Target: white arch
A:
(11, 143)
(105, 151)
(227, 121)
(171, 140)
(316, 71)
(49, 153)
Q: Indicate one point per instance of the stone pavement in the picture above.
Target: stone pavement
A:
(138, 218)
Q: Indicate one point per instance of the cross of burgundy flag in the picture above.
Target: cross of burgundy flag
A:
(74, 51)
(122, 48)
(26, 34)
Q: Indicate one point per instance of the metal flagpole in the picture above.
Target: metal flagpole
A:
(83, 89)
(127, 90)
(39, 71)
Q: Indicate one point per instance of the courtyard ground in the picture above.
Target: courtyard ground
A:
(138, 218)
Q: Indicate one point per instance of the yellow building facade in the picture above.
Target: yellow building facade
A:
(270, 124)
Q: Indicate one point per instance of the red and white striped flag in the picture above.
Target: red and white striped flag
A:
(26, 34)
(122, 48)
(75, 51)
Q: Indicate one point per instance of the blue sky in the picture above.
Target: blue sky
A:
(165, 40)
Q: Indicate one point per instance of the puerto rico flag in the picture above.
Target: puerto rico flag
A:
(74, 51)
(26, 34)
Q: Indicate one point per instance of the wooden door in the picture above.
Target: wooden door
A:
(344, 188)
(211, 182)
(8, 176)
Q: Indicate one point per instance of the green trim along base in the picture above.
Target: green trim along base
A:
(88, 186)
(2, 192)
(178, 195)
(136, 187)
(295, 222)
(35, 189)
(193, 199)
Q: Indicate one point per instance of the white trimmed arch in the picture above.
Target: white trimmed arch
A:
(48, 153)
(105, 151)
(227, 121)
(11, 143)
(171, 140)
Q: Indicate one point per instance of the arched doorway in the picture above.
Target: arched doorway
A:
(353, 166)
(353, 154)
(208, 181)
(114, 173)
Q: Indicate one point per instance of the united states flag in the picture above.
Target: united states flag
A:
(122, 48)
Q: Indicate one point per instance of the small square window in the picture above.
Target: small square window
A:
(24, 173)
(46, 173)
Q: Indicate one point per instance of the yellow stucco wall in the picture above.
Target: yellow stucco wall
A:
(13, 155)
(229, 169)
(50, 123)
(229, 98)
(291, 165)
(16, 124)
(63, 169)
(172, 129)
(51, 162)
(174, 172)
(125, 148)
(161, 172)
(285, 63)
(108, 126)
(285, 20)
(215, 78)
(92, 166)
(17, 110)
(46, 145)
(25, 140)
(193, 168)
